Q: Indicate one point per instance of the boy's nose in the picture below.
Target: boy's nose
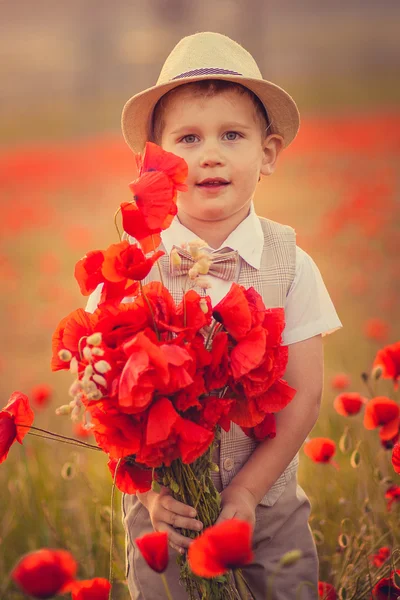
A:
(211, 157)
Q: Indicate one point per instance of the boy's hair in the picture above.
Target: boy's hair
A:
(208, 88)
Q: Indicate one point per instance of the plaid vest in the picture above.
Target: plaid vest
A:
(272, 281)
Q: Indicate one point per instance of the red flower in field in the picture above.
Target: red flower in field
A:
(380, 557)
(131, 478)
(376, 329)
(389, 359)
(154, 549)
(396, 458)
(45, 573)
(41, 394)
(157, 159)
(125, 262)
(220, 548)
(321, 449)
(326, 591)
(392, 495)
(90, 589)
(349, 403)
(388, 444)
(15, 421)
(386, 588)
(341, 381)
(384, 413)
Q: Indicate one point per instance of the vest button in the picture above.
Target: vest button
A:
(228, 464)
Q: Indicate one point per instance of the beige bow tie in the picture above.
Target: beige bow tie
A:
(223, 263)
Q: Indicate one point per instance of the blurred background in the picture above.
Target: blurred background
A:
(66, 72)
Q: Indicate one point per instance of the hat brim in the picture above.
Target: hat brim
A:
(281, 108)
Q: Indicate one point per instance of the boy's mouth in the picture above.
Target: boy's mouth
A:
(213, 182)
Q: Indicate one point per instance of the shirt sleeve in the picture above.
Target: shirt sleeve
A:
(309, 309)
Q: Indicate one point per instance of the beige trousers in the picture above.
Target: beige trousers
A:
(278, 529)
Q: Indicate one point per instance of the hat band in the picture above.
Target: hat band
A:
(208, 71)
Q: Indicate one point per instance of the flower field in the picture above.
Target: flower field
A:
(338, 186)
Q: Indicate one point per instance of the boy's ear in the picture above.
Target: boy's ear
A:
(272, 147)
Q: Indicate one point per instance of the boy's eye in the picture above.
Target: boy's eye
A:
(190, 138)
(232, 133)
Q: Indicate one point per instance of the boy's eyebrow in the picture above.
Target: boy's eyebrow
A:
(230, 124)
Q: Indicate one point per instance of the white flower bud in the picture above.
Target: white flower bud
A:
(194, 247)
(75, 388)
(87, 353)
(203, 305)
(65, 409)
(65, 355)
(97, 352)
(204, 283)
(73, 367)
(175, 258)
(102, 366)
(75, 414)
(100, 380)
(88, 371)
(95, 339)
(95, 395)
(193, 272)
(203, 265)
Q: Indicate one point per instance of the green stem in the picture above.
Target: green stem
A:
(271, 580)
(213, 328)
(150, 309)
(58, 435)
(157, 261)
(241, 585)
(303, 584)
(167, 591)
(111, 527)
(115, 223)
(46, 437)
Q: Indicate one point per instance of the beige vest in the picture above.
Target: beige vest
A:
(272, 281)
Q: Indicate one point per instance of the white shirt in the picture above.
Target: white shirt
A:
(308, 307)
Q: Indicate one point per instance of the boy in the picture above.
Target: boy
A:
(212, 107)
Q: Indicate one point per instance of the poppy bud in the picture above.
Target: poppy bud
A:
(377, 372)
(203, 265)
(87, 353)
(203, 283)
(203, 305)
(75, 388)
(102, 366)
(97, 352)
(73, 367)
(95, 395)
(95, 339)
(100, 380)
(290, 558)
(88, 371)
(65, 355)
(194, 247)
(75, 414)
(175, 258)
(63, 410)
(193, 272)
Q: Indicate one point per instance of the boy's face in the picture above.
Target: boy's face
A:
(219, 137)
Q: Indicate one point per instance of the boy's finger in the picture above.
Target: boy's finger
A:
(177, 507)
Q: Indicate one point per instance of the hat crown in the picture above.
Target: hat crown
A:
(209, 52)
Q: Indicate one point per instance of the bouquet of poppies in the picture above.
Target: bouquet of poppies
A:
(156, 380)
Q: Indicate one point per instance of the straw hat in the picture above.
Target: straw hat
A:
(209, 55)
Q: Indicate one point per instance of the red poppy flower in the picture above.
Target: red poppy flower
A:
(265, 429)
(326, 591)
(349, 403)
(392, 495)
(88, 271)
(190, 314)
(116, 433)
(15, 421)
(340, 381)
(376, 329)
(386, 588)
(91, 589)
(154, 549)
(125, 262)
(193, 440)
(249, 352)
(259, 380)
(233, 312)
(156, 158)
(321, 449)
(389, 444)
(155, 198)
(135, 225)
(69, 331)
(220, 548)
(217, 373)
(384, 413)
(45, 573)
(380, 557)
(131, 478)
(396, 458)
(389, 359)
(41, 394)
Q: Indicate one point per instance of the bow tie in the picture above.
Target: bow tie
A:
(223, 263)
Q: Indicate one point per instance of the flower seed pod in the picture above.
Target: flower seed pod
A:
(203, 305)
(88, 371)
(65, 355)
(75, 388)
(194, 247)
(76, 412)
(97, 352)
(377, 372)
(203, 265)
(63, 410)
(87, 353)
(95, 339)
(100, 379)
(203, 282)
(73, 367)
(192, 273)
(102, 366)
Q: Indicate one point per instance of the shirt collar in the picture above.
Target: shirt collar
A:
(247, 238)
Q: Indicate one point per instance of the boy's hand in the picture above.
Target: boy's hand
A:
(239, 503)
(166, 513)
